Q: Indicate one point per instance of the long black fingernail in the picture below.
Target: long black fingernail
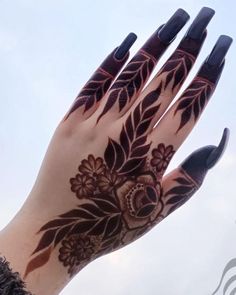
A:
(170, 29)
(219, 51)
(125, 46)
(200, 23)
(217, 153)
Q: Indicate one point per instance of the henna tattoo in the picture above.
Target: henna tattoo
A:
(93, 91)
(130, 81)
(180, 193)
(161, 157)
(193, 101)
(177, 68)
(120, 196)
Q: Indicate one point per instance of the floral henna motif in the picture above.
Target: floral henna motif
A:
(161, 157)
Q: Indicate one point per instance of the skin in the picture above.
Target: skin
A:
(101, 184)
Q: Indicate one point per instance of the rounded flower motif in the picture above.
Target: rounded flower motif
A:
(108, 180)
(161, 157)
(140, 200)
(82, 185)
(75, 250)
(92, 167)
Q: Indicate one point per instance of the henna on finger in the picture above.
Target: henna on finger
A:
(133, 78)
(180, 185)
(97, 86)
(186, 111)
(165, 85)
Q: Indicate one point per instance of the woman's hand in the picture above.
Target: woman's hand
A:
(106, 160)
(101, 184)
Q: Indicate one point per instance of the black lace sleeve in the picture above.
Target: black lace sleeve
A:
(10, 282)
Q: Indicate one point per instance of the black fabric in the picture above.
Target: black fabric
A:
(10, 282)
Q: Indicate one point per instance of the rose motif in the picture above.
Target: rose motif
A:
(140, 200)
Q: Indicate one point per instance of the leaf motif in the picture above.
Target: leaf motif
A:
(99, 227)
(61, 234)
(139, 142)
(82, 227)
(112, 225)
(185, 117)
(176, 206)
(108, 243)
(152, 97)
(55, 223)
(182, 180)
(129, 128)
(140, 151)
(124, 141)
(78, 213)
(45, 240)
(89, 103)
(132, 166)
(136, 116)
(143, 127)
(106, 206)
(150, 113)
(109, 155)
(109, 198)
(174, 200)
(145, 211)
(180, 190)
(199, 93)
(93, 209)
(38, 261)
(183, 104)
(119, 155)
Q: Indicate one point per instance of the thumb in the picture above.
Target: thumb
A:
(180, 184)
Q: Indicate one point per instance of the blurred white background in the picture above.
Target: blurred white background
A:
(48, 50)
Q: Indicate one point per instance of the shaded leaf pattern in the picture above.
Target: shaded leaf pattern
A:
(92, 92)
(129, 82)
(177, 68)
(193, 101)
(180, 193)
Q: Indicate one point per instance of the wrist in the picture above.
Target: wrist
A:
(17, 243)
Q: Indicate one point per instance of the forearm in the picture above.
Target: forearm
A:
(17, 242)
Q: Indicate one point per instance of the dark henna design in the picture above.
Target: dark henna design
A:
(180, 193)
(177, 68)
(133, 78)
(161, 157)
(121, 196)
(92, 92)
(99, 83)
(193, 101)
(195, 98)
(130, 82)
(129, 156)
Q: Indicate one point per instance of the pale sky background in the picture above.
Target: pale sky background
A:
(48, 49)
